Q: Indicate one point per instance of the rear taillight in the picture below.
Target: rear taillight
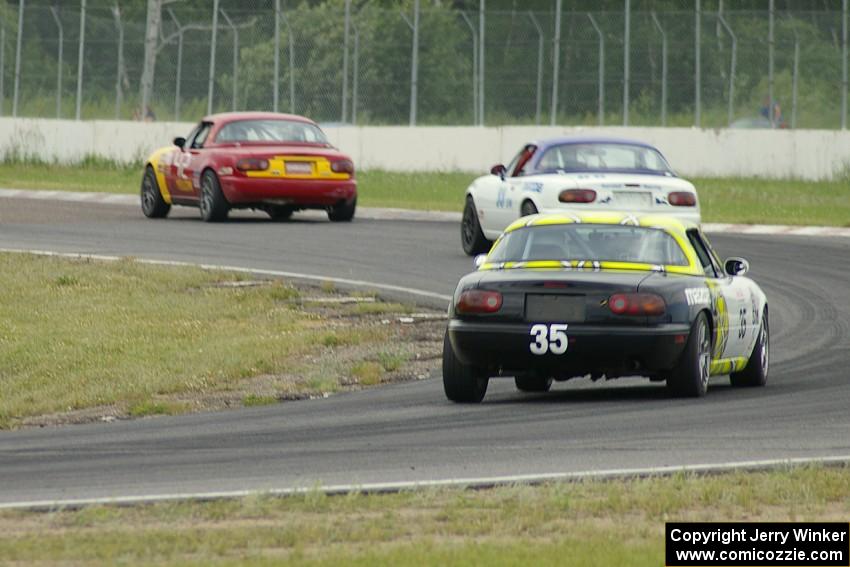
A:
(252, 164)
(479, 301)
(682, 199)
(342, 166)
(636, 304)
(577, 196)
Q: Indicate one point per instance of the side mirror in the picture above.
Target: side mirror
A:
(736, 266)
(180, 141)
(499, 170)
(478, 261)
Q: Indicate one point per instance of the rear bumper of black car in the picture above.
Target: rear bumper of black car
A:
(593, 349)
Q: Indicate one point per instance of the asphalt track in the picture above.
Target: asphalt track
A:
(409, 432)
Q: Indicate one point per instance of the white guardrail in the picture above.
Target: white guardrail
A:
(797, 154)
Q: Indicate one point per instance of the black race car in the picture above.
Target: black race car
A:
(605, 295)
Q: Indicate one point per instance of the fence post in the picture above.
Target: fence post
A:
(626, 62)
(55, 12)
(414, 65)
(21, 6)
(414, 82)
(728, 29)
(346, 26)
(235, 32)
(275, 90)
(794, 80)
(211, 78)
(474, 67)
(482, 61)
(291, 41)
(663, 69)
(177, 79)
(698, 70)
(555, 62)
(771, 104)
(2, 67)
(540, 42)
(355, 72)
(601, 88)
(80, 57)
(116, 13)
(844, 66)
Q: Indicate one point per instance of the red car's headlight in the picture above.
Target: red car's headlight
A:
(252, 164)
(343, 166)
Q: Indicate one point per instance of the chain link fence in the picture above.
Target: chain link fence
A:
(428, 64)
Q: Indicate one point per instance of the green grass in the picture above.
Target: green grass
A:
(737, 200)
(76, 335)
(583, 523)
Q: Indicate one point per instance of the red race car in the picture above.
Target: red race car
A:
(278, 163)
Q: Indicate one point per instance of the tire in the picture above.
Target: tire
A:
(527, 208)
(214, 207)
(462, 383)
(690, 376)
(754, 373)
(471, 236)
(153, 205)
(279, 212)
(533, 382)
(343, 212)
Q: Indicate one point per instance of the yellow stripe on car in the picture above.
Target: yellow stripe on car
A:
(156, 162)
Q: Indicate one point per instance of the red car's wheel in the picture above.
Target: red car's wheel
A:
(214, 207)
(343, 212)
(153, 205)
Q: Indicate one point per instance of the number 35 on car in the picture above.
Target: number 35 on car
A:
(605, 295)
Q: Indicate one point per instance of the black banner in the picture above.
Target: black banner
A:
(757, 544)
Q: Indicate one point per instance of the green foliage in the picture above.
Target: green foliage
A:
(383, 59)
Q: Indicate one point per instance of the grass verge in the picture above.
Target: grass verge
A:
(735, 200)
(83, 340)
(584, 523)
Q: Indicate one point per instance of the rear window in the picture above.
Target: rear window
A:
(602, 157)
(589, 242)
(271, 130)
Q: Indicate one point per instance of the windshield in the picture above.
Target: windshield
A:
(602, 157)
(271, 130)
(589, 242)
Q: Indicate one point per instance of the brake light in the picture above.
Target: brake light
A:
(577, 196)
(682, 199)
(252, 164)
(479, 301)
(636, 304)
(342, 166)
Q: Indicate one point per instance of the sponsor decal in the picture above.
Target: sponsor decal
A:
(533, 187)
(698, 296)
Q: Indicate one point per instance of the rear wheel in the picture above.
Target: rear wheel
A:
(279, 212)
(533, 382)
(755, 372)
(471, 236)
(153, 205)
(690, 376)
(214, 207)
(343, 212)
(462, 383)
(527, 208)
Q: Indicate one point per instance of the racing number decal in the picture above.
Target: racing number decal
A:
(742, 329)
(549, 338)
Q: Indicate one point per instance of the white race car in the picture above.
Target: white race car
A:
(574, 174)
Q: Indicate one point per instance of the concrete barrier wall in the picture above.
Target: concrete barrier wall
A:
(802, 154)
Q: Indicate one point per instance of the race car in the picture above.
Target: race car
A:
(574, 175)
(278, 163)
(605, 295)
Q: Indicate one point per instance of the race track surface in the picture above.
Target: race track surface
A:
(409, 432)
